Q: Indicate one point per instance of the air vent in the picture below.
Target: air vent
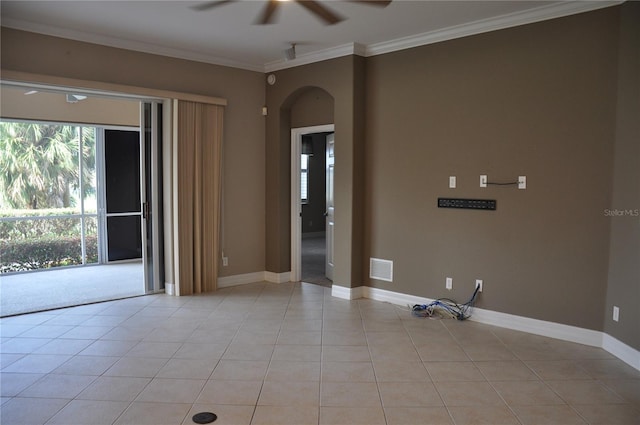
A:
(381, 269)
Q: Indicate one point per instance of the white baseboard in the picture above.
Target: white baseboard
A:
(392, 297)
(240, 279)
(347, 293)
(170, 288)
(243, 279)
(538, 327)
(277, 277)
(627, 354)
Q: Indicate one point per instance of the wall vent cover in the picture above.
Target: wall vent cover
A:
(381, 269)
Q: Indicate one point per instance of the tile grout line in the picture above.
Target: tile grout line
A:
(453, 421)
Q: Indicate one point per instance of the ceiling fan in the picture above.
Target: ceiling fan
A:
(326, 15)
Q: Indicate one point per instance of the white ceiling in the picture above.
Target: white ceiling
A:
(226, 34)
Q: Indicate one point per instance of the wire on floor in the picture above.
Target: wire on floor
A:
(446, 308)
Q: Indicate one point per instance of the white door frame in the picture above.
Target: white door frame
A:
(296, 206)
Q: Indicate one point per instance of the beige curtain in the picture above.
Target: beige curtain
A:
(199, 148)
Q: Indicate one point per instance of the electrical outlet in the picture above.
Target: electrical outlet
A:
(449, 283)
(616, 313)
(522, 182)
(479, 284)
(225, 261)
(452, 182)
(483, 180)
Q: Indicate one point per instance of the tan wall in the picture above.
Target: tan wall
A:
(313, 107)
(244, 125)
(624, 255)
(336, 77)
(43, 106)
(537, 100)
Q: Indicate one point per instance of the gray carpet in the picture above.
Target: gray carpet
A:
(313, 259)
(65, 287)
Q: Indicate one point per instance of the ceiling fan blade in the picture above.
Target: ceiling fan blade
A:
(268, 13)
(321, 12)
(210, 4)
(379, 3)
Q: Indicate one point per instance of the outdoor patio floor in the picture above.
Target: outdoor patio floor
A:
(49, 289)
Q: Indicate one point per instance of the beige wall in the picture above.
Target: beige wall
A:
(339, 78)
(44, 106)
(243, 131)
(537, 100)
(624, 256)
(312, 107)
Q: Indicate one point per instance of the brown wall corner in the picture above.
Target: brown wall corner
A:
(336, 78)
(623, 285)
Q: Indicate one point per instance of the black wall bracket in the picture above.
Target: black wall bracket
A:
(467, 204)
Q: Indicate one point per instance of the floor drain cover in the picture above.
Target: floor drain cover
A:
(204, 417)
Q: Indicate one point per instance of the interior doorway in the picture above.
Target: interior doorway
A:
(312, 204)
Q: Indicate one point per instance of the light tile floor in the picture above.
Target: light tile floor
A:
(291, 354)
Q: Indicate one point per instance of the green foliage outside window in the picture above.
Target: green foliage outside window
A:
(41, 167)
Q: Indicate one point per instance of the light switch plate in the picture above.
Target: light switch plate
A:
(522, 182)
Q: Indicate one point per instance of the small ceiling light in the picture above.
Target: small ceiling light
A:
(30, 92)
(290, 53)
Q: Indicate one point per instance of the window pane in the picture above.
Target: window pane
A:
(89, 184)
(303, 185)
(304, 181)
(51, 177)
(124, 238)
(91, 239)
(122, 167)
(31, 244)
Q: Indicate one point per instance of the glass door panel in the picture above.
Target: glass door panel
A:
(152, 229)
(123, 194)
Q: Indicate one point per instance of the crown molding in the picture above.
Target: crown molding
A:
(317, 56)
(542, 13)
(126, 44)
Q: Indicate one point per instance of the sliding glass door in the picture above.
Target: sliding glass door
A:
(152, 218)
(133, 195)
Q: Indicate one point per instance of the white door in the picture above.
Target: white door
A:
(330, 214)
